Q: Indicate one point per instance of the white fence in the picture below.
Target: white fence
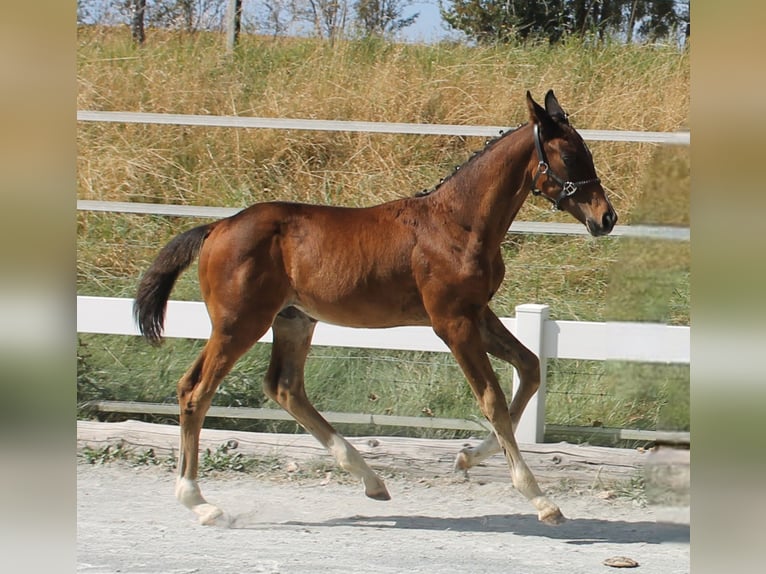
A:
(671, 138)
(530, 227)
(644, 342)
(649, 231)
(548, 339)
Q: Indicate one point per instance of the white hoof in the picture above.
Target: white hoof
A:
(188, 494)
(208, 514)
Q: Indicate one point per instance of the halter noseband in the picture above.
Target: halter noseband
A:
(568, 188)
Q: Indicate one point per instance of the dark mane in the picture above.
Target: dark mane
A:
(488, 143)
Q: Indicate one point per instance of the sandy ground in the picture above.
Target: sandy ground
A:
(129, 522)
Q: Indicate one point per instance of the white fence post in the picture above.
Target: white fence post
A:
(530, 327)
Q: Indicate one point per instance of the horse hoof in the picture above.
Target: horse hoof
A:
(378, 494)
(551, 517)
(208, 515)
(461, 462)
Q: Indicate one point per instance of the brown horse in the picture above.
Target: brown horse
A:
(431, 259)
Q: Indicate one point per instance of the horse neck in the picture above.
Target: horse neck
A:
(487, 192)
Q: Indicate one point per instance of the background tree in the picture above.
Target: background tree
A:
(275, 16)
(380, 17)
(328, 17)
(489, 21)
(137, 12)
(187, 15)
(662, 20)
(233, 23)
(602, 17)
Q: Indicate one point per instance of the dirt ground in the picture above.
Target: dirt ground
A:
(129, 522)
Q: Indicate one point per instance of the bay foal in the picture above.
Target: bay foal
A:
(432, 259)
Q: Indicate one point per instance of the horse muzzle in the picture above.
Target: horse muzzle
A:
(604, 227)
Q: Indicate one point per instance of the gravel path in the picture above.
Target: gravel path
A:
(129, 522)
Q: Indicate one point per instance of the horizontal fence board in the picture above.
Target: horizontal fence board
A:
(665, 437)
(189, 320)
(280, 415)
(617, 341)
(246, 413)
(672, 138)
(534, 227)
(654, 343)
(645, 342)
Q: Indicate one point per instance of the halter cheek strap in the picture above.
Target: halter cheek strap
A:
(568, 188)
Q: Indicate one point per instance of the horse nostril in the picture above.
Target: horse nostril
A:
(609, 219)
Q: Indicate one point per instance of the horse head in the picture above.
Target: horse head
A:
(563, 170)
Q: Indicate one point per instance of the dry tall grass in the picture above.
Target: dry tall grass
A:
(603, 87)
(609, 86)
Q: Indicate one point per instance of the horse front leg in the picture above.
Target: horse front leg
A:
(501, 343)
(463, 337)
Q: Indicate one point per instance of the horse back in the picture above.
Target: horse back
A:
(349, 266)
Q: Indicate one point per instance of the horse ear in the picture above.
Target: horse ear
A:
(536, 112)
(554, 109)
(538, 115)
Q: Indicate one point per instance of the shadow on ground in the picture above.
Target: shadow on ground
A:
(578, 531)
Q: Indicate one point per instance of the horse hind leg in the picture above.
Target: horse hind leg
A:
(195, 394)
(284, 383)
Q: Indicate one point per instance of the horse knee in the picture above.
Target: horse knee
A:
(529, 360)
(529, 369)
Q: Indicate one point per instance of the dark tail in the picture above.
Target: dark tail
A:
(157, 283)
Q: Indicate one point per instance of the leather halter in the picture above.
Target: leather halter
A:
(568, 188)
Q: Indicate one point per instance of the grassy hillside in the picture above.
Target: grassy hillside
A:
(602, 87)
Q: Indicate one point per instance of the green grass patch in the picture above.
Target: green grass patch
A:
(617, 394)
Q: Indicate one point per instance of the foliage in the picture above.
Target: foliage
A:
(490, 21)
(104, 455)
(121, 452)
(381, 17)
(222, 459)
(329, 19)
(327, 16)
(633, 490)
(485, 21)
